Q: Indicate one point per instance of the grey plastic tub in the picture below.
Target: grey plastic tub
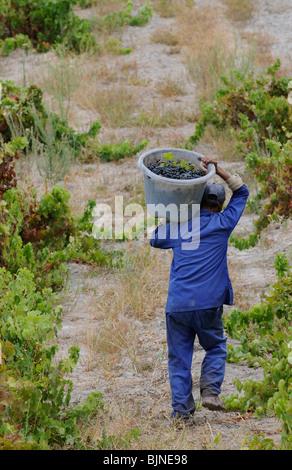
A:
(180, 197)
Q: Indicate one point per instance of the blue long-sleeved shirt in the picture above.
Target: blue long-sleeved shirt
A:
(199, 277)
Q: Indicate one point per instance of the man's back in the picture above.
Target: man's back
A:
(199, 276)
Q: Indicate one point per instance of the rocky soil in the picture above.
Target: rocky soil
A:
(134, 380)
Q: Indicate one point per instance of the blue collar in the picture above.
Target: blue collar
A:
(205, 212)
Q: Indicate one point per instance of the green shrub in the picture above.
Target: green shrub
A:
(34, 393)
(50, 139)
(8, 45)
(22, 112)
(256, 110)
(9, 153)
(43, 23)
(112, 152)
(37, 238)
(43, 235)
(116, 20)
(265, 337)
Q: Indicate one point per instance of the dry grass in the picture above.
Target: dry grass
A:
(130, 72)
(113, 335)
(139, 285)
(161, 116)
(243, 297)
(103, 8)
(60, 80)
(239, 10)
(139, 291)
(170, 8)
(115, 104)
(224, 143)
(171, 88)
(155, 433)
(261, 44)
(206, 53)
(83, 184)
(169, 38)
(209, 56)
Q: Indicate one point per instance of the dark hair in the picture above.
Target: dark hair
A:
(213, 197)
(210, 204)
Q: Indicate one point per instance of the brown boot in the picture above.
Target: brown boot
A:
(213, 403)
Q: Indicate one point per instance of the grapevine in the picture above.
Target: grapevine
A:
(257, 111)
(265, 336)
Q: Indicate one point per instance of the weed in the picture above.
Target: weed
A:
(115, 21)
(207, 68)
(209, 56)
(162, 117)
(264, 333)
(61, 79)
(257, 108)
(170, 88)
(239, 10)
(170, 8)
(53, 156)
(113, 46)
(169, 38)
(43, 23)
(114, 104)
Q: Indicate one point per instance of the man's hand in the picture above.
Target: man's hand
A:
(219, 170)
(207, 160)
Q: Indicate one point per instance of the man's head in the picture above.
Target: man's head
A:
(213, 197)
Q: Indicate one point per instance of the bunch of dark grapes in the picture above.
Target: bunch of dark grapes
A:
(175, 171)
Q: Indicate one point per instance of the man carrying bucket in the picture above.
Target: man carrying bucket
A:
(199, 285)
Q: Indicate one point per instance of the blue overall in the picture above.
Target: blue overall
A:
(199, 285)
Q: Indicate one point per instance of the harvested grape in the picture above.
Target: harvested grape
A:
(172, 169)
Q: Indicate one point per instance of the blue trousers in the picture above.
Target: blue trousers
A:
(182, 329)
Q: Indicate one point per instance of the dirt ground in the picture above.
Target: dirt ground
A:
(134, 378)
